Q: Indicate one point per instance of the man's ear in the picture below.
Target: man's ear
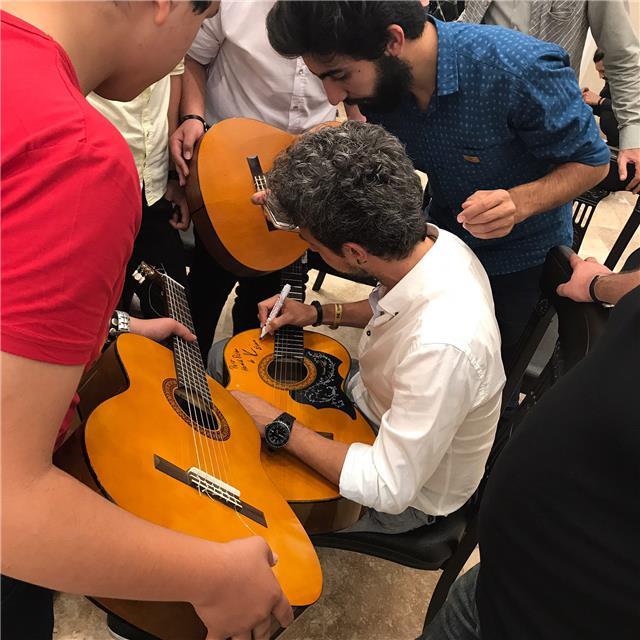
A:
(354, 253)
(161, 10)
(396, 40)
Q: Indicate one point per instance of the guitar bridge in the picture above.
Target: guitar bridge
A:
(214, 488)
(211, 487)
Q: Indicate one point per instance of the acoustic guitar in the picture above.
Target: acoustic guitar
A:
(302, 373)
(175, 448)
(228, 167)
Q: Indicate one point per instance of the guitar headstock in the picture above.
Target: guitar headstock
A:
(146, 271)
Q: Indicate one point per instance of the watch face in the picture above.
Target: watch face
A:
(277, 434)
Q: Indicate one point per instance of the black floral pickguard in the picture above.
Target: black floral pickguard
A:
(326, 391)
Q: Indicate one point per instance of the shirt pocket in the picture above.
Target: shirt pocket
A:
(565, 10)
(475, 165)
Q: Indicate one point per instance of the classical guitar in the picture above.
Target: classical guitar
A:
(303, 373)
(175, 448)
(227, 169)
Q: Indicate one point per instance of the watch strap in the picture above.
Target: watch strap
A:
(319, 313)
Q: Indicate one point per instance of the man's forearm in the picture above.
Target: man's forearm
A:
(114, 553)
(558, 187)
(193, 88)
(611, 288)
(324, 455)
(175, 97)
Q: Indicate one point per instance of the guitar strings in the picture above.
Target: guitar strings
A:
(182, 371)
(176, 293)
(185, 350)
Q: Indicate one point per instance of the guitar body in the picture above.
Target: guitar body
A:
(219, 190)
(136, 448)
(317, 399)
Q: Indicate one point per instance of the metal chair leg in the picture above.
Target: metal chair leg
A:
(319, 280)
(624, 238)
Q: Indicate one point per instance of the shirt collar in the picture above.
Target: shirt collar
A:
(418, 284)
(447, 73)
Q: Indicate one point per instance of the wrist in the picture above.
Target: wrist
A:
(120, 323)
(520, 202)
(195, 116)
(595, 289)
(316, 314)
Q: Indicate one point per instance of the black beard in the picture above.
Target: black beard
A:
(393, 83)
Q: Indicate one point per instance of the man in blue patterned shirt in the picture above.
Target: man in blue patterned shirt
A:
(494, 117)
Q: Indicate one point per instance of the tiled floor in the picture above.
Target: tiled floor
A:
(363, 598)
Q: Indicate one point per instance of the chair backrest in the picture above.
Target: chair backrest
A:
(584, 207)
(580, 324)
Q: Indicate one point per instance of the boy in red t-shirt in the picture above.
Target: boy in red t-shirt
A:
(70, 212)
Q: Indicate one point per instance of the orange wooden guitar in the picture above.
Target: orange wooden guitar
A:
(177, 449)
(227, 169)
(303, 373)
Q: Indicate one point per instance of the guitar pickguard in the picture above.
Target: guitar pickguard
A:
(325, 392)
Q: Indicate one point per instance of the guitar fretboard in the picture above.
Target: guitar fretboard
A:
(190, 371)
(289, 341)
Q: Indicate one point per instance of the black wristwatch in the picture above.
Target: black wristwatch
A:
(277, 432)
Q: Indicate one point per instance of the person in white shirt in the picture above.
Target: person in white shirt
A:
(146, 123)
(430, 373)
(231, 71)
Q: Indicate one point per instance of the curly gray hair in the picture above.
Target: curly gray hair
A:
(352, 183)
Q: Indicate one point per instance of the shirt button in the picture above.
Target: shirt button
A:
(368, 332)
(301, 72)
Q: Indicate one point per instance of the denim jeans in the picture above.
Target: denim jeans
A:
(458, 618)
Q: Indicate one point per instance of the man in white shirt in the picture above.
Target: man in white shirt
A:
(231, 71)
(430, 374)
(146, 123)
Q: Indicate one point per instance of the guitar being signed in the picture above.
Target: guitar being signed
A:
(302, 373)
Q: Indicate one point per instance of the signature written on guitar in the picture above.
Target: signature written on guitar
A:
(241, 357)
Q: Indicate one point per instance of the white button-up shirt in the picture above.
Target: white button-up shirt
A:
(431, 376)
(143, 123)
(247, 78)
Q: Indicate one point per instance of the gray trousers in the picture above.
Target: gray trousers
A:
(458, 619)
(372, 520)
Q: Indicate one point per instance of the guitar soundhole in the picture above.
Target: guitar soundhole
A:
(287, 371)
(288, 374)
(207, 420)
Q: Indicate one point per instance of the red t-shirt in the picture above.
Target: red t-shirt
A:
(70, 205)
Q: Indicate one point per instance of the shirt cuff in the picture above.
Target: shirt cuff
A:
(353, 478)
(630, 137)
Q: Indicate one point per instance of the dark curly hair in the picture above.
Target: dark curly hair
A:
(352, 183)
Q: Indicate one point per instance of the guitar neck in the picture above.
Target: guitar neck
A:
(190, 371)
(289, 340)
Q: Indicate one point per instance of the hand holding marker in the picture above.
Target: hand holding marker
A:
(276, 308)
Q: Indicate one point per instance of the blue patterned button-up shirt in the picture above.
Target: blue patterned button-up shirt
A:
(507, 109)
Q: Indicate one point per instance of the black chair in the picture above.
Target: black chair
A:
(546, 364)
(584, 206)
(448, 543)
